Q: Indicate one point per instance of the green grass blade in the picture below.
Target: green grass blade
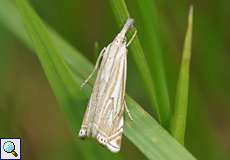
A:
(65, 85)
(154, 141)
(13, 21)
(149, 28)
(144, 131)
(121, 14)
(181, 101)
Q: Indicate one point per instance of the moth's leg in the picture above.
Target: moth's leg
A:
(95, 68)
(132, 38)
(127, 110)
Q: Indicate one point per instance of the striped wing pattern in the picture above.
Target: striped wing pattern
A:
(104, 115)
(103, 118)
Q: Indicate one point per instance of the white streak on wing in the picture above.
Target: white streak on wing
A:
(120, 85)
(87, 123)
(114, 84)
(106, 69)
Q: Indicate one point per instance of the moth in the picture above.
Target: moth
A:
(103, 117)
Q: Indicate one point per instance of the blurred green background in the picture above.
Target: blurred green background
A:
(29, 110)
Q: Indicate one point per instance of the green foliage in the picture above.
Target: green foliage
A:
(181, 102)
(61, 65)
(150, 22)
(66, 68)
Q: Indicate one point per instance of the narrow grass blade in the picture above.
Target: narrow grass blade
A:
(121, 14)
(181, 101)
(149, 26)
(144, 131)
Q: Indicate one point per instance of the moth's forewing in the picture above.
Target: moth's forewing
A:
(109, 117)
(115, 134)
(104, 115)
(88, 120)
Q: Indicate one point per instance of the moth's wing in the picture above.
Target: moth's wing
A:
(87, 124)
(110, 125)
(115, 136)
(85, 130)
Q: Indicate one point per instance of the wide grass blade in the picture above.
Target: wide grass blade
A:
(121, 14)
(144, 131)
(64, 83)
(181, 101)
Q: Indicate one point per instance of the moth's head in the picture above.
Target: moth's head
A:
(128, 24)
(120, 38)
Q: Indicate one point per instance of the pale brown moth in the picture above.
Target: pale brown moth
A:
(103, 118)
